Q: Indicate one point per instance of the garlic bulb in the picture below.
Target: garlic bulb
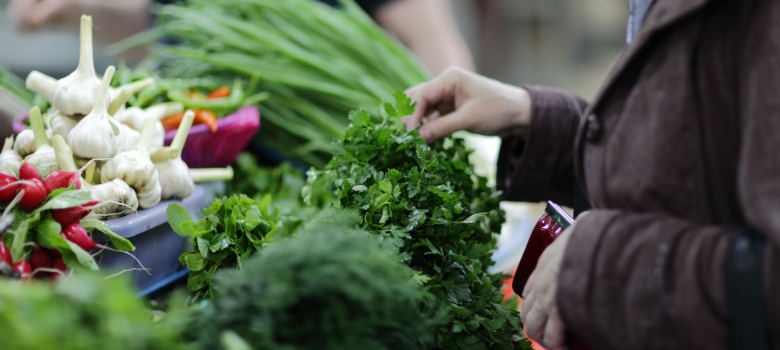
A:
(127, 139)
(25, 142)
(135, 117)
(117, 197)
(43, 157)
(61, 124)
(175, 177)
(77, 93)
(136, 168)
(10, 161)
(93, 136)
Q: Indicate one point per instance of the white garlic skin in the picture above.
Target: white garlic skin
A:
(134, 117)
(127, 139)
(62, 124)
(137, 170)
(175, 179)
(25, 143)
(94, 139)
(10, 161)
(118, 199)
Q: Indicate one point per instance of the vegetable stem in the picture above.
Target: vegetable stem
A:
(184, 130)
(63, 154)
(40, 83)
(163, 110)
(36, 121)
(86, 63)
(211, 174)
(147, 132)
(90, 173)
(119, 101)
(9, 143)
(163, 154)
(100, 102)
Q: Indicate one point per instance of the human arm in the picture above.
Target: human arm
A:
(428, 29)
(538, 125)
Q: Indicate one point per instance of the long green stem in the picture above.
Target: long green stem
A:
(63, 153)
(36, 121)
(184, 130)
(211, 174)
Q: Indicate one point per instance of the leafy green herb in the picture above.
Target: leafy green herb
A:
(230, 231)
(119, 242)
(331, 286)
(446, 216)
(84, 312)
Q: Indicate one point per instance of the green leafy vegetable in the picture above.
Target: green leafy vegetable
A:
(119, 242)
(445, 215)
(330, 286)
(230, 231)
(85, 312)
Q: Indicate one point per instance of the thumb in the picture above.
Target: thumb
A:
(443, 126)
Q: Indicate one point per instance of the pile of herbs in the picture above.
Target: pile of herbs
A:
(316, 61)
(445, 215)
(331, 286)
(85, 311)
(231, 230)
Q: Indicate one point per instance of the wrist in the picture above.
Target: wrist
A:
(520, 110)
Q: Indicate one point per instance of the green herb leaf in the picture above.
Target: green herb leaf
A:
(177, 215)
(83, 258)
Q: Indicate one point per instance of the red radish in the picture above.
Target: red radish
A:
(39, 258)
(34, 195)
(59, 179)
(8, 187)
(77, 234)
(23, 268)
(59, 264)
(75, 214)
(76, 180)
(5, 255)
(29, 172)
(54, 254)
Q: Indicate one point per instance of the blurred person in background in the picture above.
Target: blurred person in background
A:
(426, 27)
(677, 155)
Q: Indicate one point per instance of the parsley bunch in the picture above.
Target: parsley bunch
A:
(444, 214)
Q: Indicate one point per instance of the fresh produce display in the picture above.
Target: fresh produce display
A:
(317, 63)
(445, 215)
(90, 124)
(329, 287)
(83, 312)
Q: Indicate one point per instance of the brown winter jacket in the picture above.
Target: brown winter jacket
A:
(679, 151)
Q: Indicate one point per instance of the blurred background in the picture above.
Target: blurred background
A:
(564, 43)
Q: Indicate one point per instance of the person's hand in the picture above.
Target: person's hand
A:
(539, 312)
(33, 14)
(461, 100)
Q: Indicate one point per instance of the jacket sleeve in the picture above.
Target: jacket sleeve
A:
(651, 281)
(540, 167)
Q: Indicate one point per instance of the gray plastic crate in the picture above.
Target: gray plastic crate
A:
(157, 246)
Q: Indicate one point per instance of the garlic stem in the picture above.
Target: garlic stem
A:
(136, 86)
(36, 122)
(163, 154)
(40, 83)
(90, 172)
(9, 143)
(211, 174)
(63, 153)
(162, 110)
(184, 129)
(146, 136)
(118, 101)
(100, 103)
(86, 61)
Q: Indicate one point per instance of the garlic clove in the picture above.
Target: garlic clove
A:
(77, 93)
(175, 179)
(61, 124)
(25, 142)
(10, 160)
(117, 199)
(94, 136)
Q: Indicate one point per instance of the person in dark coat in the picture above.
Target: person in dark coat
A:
(678, 157)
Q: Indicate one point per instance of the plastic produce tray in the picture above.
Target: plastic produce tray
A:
(157, 246)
